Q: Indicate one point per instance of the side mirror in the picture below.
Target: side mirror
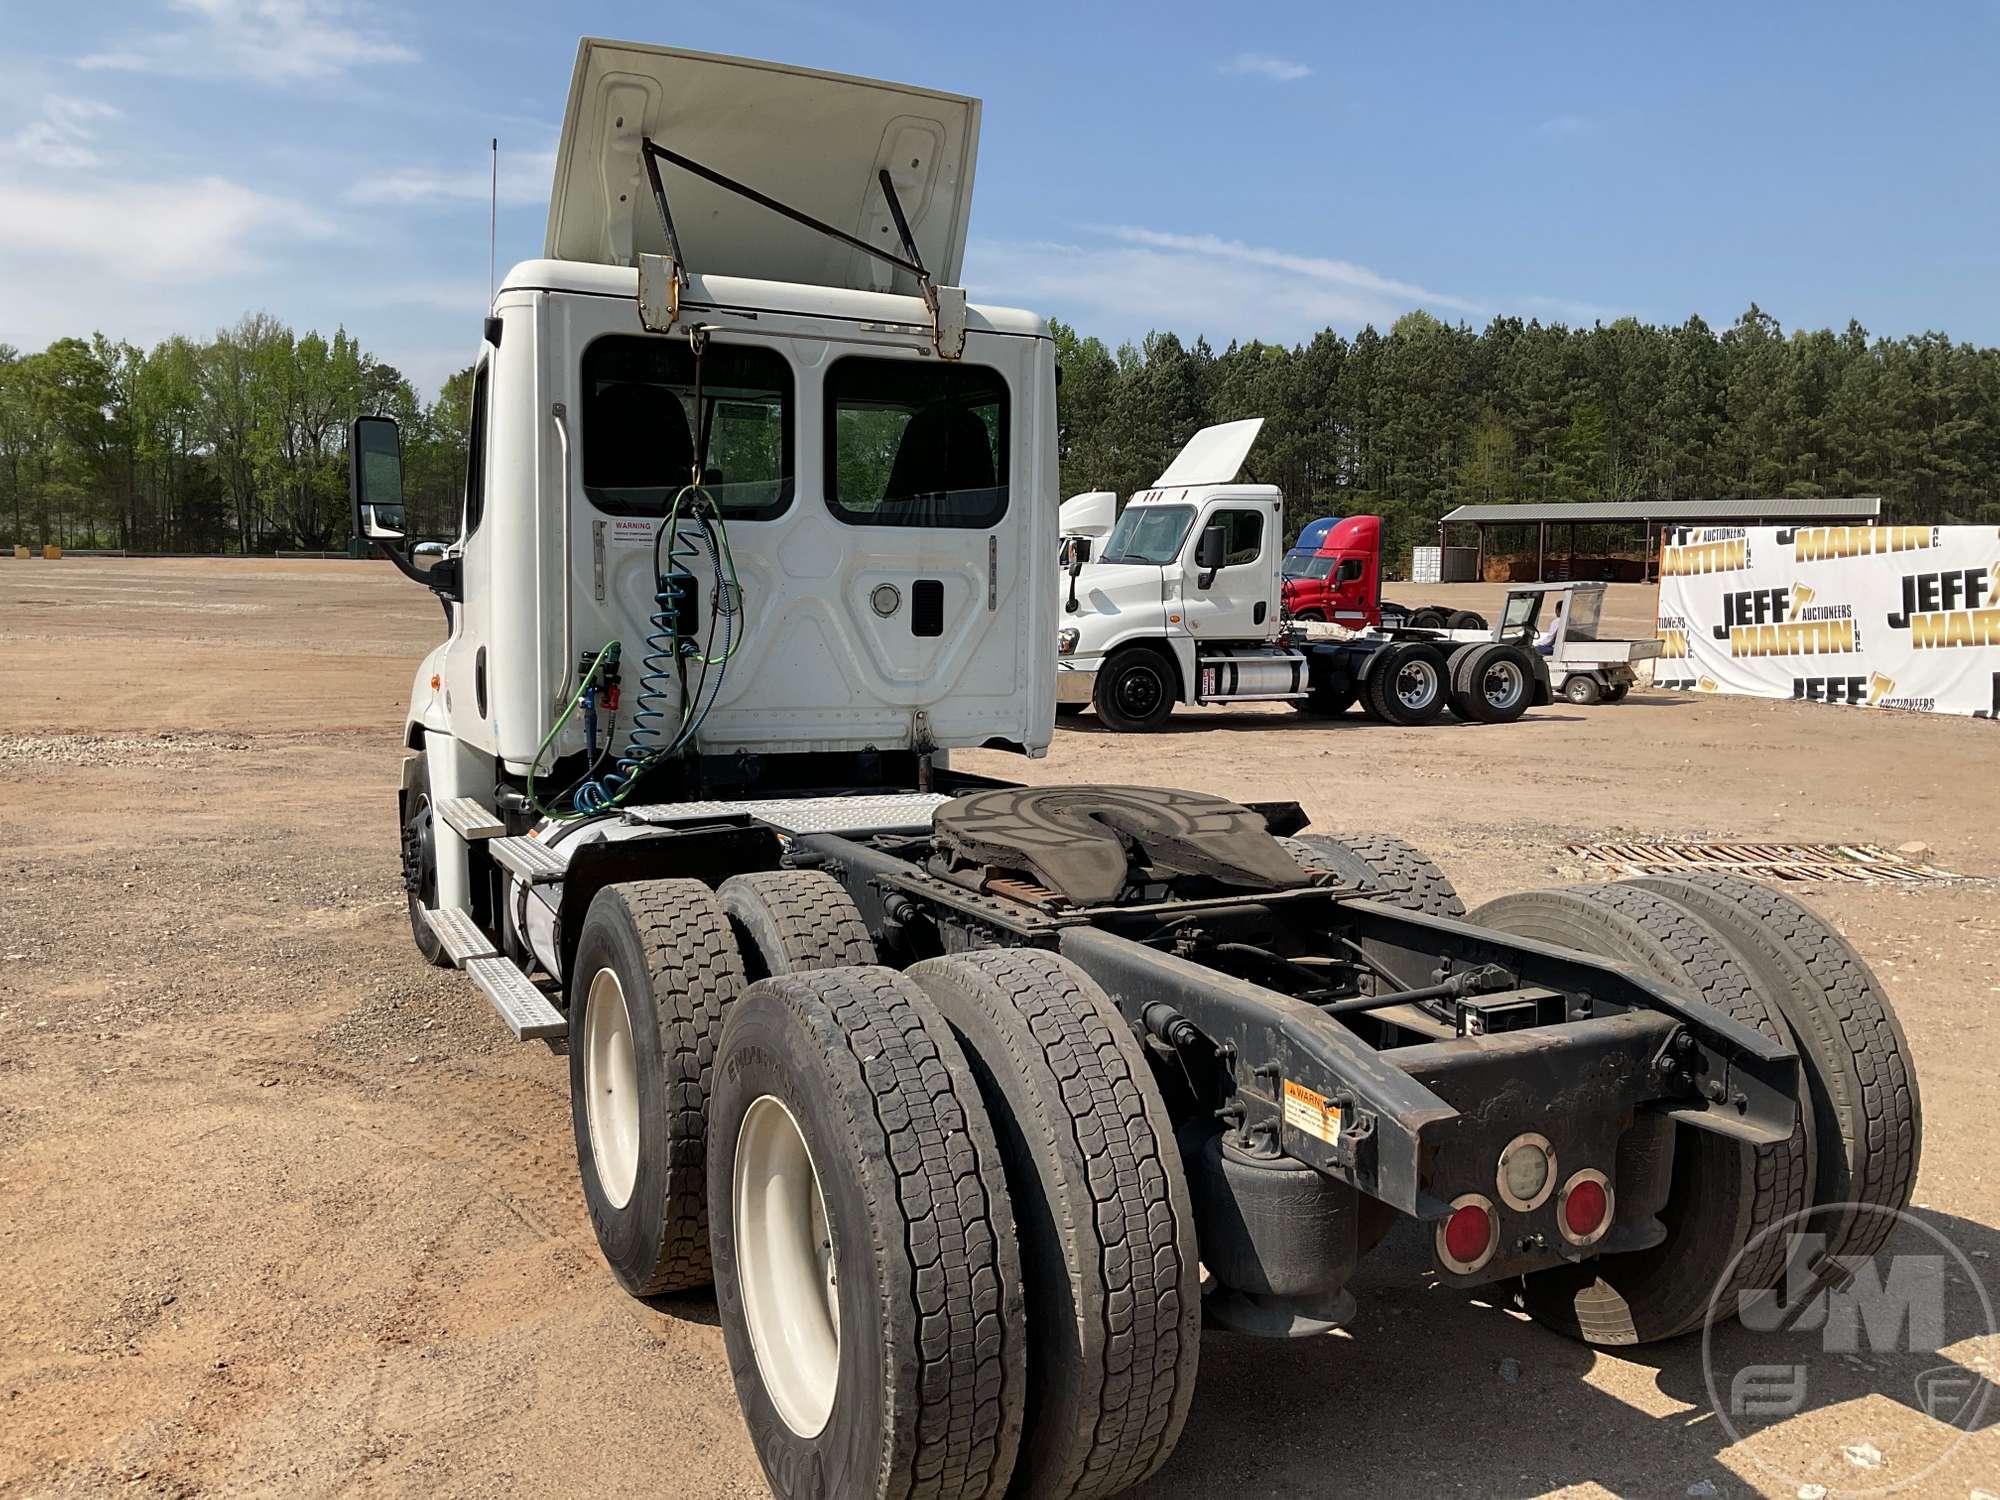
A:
(375, 477)
(1212, 549)
(1076, 560)
(1081, 549)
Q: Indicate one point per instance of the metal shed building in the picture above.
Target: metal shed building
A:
(1647, 515)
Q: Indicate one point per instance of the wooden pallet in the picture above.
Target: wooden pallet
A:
(1784, 863)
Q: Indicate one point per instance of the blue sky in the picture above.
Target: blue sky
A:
(1235, 171)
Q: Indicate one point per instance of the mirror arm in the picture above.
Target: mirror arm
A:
(442, 579)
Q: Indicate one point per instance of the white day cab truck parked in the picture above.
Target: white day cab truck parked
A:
(1182, 603)
(949, 1087)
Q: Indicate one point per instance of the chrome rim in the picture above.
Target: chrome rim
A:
(785, 1261)
(1504, 684)
(611, 1088)
(1417, 684)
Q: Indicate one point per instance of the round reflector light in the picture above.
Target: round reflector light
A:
(1585, 1208)
(1467, 1240)
(1527, 1172)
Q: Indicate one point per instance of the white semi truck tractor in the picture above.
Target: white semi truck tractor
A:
(1182, 604)
(949, 1087)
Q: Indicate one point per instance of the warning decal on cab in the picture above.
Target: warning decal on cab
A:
(1311, 1113)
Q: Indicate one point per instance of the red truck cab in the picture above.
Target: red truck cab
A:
(1334, 573)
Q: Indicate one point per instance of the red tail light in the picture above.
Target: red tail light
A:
(1467, 1239)
(1585, 1209)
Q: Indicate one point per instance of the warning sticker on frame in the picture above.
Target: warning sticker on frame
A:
(1311, 1113)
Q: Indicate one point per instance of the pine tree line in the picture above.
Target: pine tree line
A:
(238, 444)
(1410, 423)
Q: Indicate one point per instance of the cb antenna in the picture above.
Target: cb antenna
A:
(492, 220)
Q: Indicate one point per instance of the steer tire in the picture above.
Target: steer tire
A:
(1856, 1064)
(788, 921)
(419, 857)
(1135, 690)
(914, 1246)
(1473, 672)
(1106, 1223)
(1394, 872)
(1380, 693)
(673, 964)
(1724, 1193)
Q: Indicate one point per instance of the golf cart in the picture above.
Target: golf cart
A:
(1583, 667)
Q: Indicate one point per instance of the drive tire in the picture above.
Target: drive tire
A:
(1408, 684)
(419, 860)
(1102, 1204)
(788, 921)
(1723, 1193)
(924, 1387)
(1616, 692)
(1583, 691)
(1867, 1115)
(1393, 871)
(674, 973)
(1466, 619)
(1135, 690)
(1492, 683)
(1428, 617)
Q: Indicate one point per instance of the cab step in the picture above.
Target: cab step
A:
(470, 818)
(459, 934)
(530, 859)
(525, 1009)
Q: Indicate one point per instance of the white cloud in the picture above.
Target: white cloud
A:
(1341, 275)
(1264, 65)
(62, 137)
(524, 179)
(1128, 280)
(147, 232)
(1561, 125)
(266, 41)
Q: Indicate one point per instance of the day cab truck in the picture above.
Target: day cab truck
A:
(1334, 573)
(976, 1103)
(1182, 604)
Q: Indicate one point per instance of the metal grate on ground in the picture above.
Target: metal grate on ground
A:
(1787, 863)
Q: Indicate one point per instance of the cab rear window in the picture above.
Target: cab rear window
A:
(915, 442)
(641, 426)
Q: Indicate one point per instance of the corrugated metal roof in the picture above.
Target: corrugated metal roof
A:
(1865, 508)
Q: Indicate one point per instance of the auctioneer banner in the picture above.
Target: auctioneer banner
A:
(1878, 616)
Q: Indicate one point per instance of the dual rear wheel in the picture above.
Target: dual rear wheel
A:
(950, 1237)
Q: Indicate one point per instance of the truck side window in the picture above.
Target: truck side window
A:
(475, 453)
(916, 443)
(1244, 533)
(1350, 570)
(640, 426)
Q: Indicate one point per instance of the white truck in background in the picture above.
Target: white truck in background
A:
(1181, 604)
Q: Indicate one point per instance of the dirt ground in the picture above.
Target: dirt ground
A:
(282, 1211)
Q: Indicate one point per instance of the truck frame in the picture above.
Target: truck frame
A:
(951, 1087)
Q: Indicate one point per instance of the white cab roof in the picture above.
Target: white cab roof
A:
(1212, 456)
(725, 292)
(814, 141)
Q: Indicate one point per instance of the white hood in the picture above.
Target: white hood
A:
(1212, 456)
(814, 141)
